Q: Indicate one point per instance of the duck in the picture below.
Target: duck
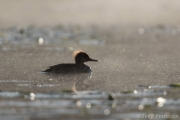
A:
(80, 57)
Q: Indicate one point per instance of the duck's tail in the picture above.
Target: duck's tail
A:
(45, 71)
(42, 72)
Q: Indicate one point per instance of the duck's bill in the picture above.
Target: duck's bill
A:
(93, 60)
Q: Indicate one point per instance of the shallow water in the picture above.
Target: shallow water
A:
(88, 104)
(130, 81)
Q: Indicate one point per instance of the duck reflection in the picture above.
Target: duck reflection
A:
(76, 72)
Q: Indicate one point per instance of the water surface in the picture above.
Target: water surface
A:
(136, 66)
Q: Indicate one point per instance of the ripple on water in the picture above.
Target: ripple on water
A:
(9, 94)
(41, 36)
(38, 85)
(48, 105)
(142, 93)
(91, 42)
(13, 81)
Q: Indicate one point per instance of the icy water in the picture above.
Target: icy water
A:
(136, 76)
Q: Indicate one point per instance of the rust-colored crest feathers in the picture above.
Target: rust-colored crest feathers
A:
(77, 52)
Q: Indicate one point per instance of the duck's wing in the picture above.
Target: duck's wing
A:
(68, 69)
(60, 68)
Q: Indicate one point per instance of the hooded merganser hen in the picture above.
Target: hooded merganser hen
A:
(80, 58)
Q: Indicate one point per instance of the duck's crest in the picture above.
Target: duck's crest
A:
(76, 53)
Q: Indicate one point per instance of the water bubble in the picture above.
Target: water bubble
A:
(135, 91)
(40, 41)
(106, 111)
(39, 85)
(141, 107)
(165, 93)
(161, 100)
(32, 96)
(78, 103)
(160, 104)
(88, 105)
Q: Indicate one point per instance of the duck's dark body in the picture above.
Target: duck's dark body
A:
(68, 69)
(80, 58)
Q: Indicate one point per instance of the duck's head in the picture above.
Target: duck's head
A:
(81, 57)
